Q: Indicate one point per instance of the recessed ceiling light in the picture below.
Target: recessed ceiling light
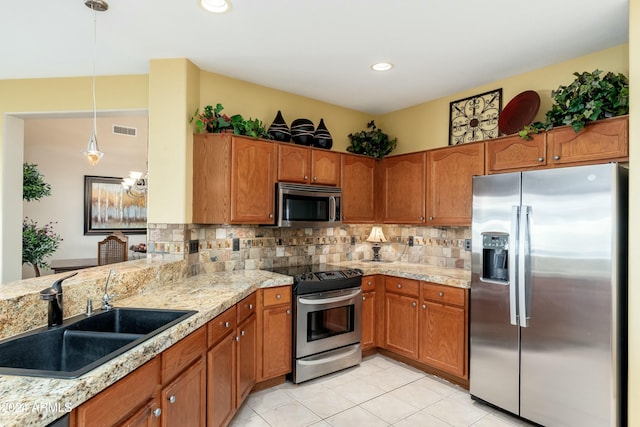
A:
(382, 66)
(216, 6)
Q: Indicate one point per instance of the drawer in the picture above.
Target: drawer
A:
(219, 327)
(443, 294)
(368, 283)
(402, 286)
(183, 353)
(246, 307)
(276, 296)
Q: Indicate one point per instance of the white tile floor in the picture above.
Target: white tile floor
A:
(378, 392)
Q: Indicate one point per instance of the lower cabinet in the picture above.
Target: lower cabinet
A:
(369, 313)
(401, 316)
(274, 313)
(183, 401)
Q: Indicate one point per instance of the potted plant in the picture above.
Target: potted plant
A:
(372, 142)
(212, 121)
(37, 242)
(588, 98)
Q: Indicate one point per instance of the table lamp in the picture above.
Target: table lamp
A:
(377, 237)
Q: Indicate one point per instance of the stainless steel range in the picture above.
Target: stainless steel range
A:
(327, 321)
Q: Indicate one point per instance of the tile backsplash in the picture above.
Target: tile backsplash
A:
(264, 247)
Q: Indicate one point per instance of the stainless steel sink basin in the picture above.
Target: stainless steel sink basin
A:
(83, 343)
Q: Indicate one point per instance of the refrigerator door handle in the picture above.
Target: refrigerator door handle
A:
(523, 257)
(513, 270)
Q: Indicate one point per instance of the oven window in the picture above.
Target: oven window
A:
(327, 323)
(305, 208)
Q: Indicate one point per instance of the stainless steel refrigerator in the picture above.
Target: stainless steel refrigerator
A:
(548, 294)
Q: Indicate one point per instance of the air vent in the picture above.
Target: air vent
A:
(124, 130)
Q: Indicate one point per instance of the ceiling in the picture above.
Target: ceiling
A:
(321, 49)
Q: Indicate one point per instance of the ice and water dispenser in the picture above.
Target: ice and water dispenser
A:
(495, 256)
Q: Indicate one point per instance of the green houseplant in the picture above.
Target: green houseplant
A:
(591, 96)
(371, 142)
(37, 242)
(212, 120)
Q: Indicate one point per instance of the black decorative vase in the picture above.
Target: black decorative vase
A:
(302, 131)
(322, 137)
(279, 130)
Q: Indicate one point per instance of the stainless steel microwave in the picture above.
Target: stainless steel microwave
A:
(308, 205)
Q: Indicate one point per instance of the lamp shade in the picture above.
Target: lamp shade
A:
(376, 236)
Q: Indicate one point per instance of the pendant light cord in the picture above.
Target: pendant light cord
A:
(95, 132)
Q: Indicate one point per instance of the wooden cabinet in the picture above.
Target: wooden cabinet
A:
(403, 188)
(370, 313)
(599, 142)
(401, 316)
(246, 348)
(449, 183)
(147, 416)
(443, 328)
(306, 165)
(275, 325)
(184, 399)
(221, 369)
(358, 189)
(233, 179)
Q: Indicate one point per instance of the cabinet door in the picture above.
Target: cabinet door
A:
(401, 324)
(449, 178)
(403, 180)
(276, 341)
(599, 142)
(184, 400)
(358, 182)
(148, 416)
(246, 358)
(368, 320)
(515, 154)
(221, 381)
(325, 167)
(253, 177)
(442, 333)
(293, 163)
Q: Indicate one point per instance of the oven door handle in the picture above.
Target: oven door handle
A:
(308, 301)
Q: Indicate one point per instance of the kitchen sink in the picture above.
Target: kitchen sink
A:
(83, 343)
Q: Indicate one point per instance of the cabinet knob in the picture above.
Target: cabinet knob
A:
(540, 159)
(288, 311)
(369, 283)
(271, 216)
(315, 178)
(157, 412)
(242, 333)
(237, 339)
(227, 324)
(278, 296)
(556, 157)
(413, 304)
(172, 399)
(430, 218)
(421, 218)
(440, 294)
(306, 177)
(250, 306)
(399, 286)
(424, 306)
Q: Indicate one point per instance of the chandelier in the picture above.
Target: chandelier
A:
(136, 184)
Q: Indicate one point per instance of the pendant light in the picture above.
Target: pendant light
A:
(93, 153)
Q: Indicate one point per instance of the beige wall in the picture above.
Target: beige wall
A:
(426, 126)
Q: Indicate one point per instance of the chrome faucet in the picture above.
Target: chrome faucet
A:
(53, 294)
(106, 298)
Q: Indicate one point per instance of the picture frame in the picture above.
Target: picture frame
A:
(475, 118)
(108, 208)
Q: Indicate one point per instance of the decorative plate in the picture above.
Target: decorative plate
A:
(519, 112)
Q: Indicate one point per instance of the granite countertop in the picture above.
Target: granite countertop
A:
(33, 401)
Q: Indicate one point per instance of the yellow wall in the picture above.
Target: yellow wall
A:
(426, 126)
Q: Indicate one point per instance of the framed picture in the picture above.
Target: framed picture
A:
(475, 118)
(108, 208)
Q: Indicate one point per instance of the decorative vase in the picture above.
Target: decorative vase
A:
(279, 130)
(302, 131)
(322, 137)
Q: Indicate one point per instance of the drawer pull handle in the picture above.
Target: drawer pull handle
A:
(369, 283)
(238, 339)
(440, 294)
(540, 159)
(227, 324)
(242, 333)
(278, 296)
(556, 157)
(288, 311)
(413, 304)
(424, 306)
(157, 412)
(399, 286)
(250, 306)
(172, 399)
(363, 298)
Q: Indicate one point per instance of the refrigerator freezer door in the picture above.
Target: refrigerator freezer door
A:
(567, 361)
(494, 346)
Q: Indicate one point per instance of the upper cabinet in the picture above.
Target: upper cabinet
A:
(599, 142)
(233, 179)
(449, 178)
(403, 188)
(358, 189)
(305, 165)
